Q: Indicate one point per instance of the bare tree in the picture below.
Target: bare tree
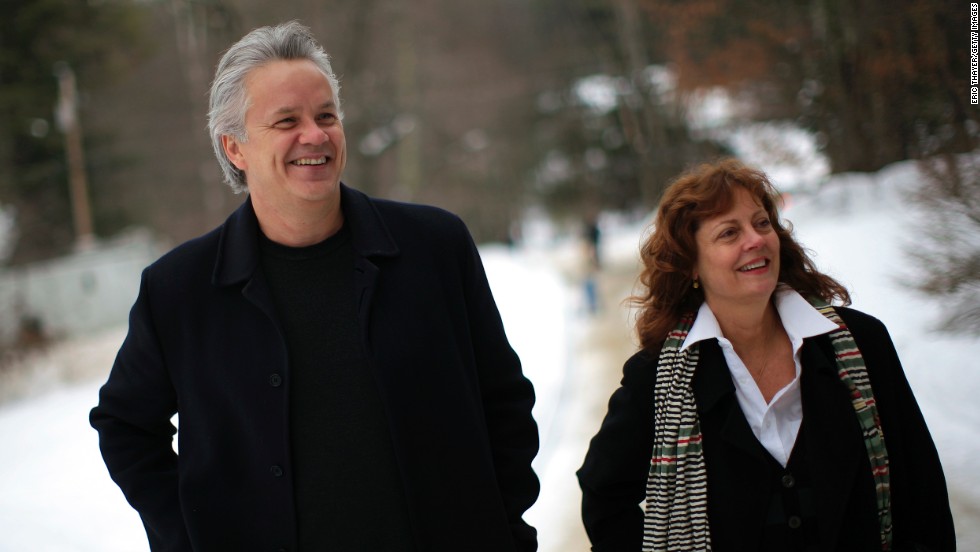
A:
(878, 82)
(948, 259)
(195, 22)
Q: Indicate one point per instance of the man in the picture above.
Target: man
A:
(338, 365)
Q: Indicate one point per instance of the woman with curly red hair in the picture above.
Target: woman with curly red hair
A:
(756, 416)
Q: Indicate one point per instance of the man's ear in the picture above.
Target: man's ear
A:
(234, 151)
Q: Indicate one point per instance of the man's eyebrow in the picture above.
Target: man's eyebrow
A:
(292, 109)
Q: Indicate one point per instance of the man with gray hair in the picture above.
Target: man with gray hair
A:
(337, 363)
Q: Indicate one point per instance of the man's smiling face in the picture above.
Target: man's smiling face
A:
(295, 150)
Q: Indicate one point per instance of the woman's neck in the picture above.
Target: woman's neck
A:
(748, 326)
(761, 342)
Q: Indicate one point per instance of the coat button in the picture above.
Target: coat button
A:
(789, 481)
(276, 471)
(794, 522)
(275, 380)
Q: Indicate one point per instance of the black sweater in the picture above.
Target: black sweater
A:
(349, 495)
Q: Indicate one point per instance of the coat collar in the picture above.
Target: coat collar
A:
(238, 251)
(798, 317)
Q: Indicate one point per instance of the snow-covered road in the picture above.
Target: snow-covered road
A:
(55, 494)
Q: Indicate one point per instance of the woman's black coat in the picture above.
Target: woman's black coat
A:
(614, 474)
(204, 341)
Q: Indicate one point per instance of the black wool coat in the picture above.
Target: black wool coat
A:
(740, 476)
(204, 343)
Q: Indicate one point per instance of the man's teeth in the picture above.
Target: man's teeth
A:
(753, 266)
(317, 161)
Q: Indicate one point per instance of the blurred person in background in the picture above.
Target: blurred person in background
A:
(337, 363)
(756, 416)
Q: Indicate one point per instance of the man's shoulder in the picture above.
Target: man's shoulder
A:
(203, 251)
(415, 214)
(404, 220)
(192, 257)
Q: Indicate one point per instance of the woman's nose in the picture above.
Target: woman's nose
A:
(753, 239)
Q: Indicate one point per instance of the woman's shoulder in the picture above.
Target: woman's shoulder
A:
(641, 369)
(859, 321)
(873, 339)
(643, 360)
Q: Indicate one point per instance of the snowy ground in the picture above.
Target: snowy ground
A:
(55, 494)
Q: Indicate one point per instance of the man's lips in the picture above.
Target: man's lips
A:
(310, 161)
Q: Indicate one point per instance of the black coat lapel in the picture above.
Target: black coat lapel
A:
(714, 393)
(834, 444)
(737, 464)
(371, 240)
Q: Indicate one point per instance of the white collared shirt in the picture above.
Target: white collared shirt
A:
(777, 423)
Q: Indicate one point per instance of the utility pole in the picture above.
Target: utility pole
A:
(67, 116)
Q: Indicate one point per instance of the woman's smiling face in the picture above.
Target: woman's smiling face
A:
(738, 255)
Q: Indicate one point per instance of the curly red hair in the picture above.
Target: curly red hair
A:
(670, 252)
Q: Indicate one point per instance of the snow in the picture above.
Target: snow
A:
(57, 496)
(55, 493)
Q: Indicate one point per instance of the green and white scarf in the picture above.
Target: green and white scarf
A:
(676, 517)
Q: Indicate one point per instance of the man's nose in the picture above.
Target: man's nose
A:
(311, 133)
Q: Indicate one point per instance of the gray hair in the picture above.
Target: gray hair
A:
(229, 99)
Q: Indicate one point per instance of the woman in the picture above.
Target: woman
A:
(756, 416)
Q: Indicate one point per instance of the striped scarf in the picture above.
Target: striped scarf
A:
(676, 517)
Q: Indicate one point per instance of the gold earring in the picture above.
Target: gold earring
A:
(696, 284)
